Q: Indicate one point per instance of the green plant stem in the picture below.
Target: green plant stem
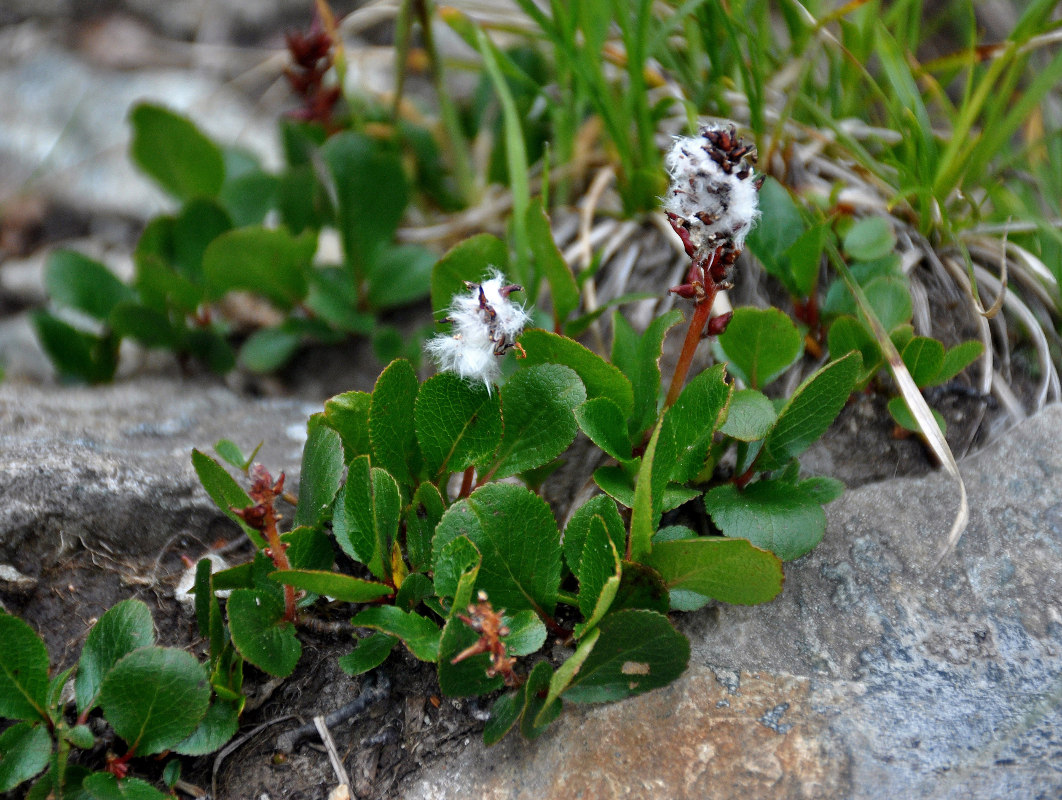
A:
(516, 158)
(701, 313)
(567, 598)
(451, 123)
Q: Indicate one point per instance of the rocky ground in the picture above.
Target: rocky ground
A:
(873, 673)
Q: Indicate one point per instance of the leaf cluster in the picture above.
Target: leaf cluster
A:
(792, 250)
(430, 490)
(157, 699)
(240, 228)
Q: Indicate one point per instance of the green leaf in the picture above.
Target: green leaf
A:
(901, 335)
(504, 714)
(145, 325)
(458, 424)
(804, 257)
(224, 491)
(603, 508)
(924, 358)
(759, 345)
(348, 415)
(729, 570)
(320, 476)
(120, 631)
(637, 650)
(332, 300)
(538, 406)
(839, 298)
(210, 347)
(616, 483)
(75, 353)
(412, 263)
(639, 359)
(414, 590)
(870, 238)
(248, 196)
(658, 462)
(470, 260)
(602, 420)
(173, 151)
(810, 411)
(418, 633)
(847, 334)
(469, 676)
(391, 421)
(220, 724)
(421, 516)
(231, 453)
(301, 199)
(269, 262)
(537, 713)
(690, 424)
(526, 634)
(779, 228)
(600, 378)
(261, 633)
(641, 587)
(562, 286)
(959, 358)
(309, 548)
(80, 736)
(104, 786)
(772, 514)
(23, 671)
(366, 522)
(154, 697)
(198, 224)
(821, 489)
(566, 672)
(346, 588)
(902, 416)
(207, 610)
(599, 576)
(368, 653)
(750, 417)
(454, 560)
(77, 281)
(238, 577)
(24, 751)
(372, 193)
(268, 349)
(515, 533)
(891, 300)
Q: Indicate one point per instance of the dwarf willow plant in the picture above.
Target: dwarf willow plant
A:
(792, 248)
(241, 228)
(431, 488)
(156, 699)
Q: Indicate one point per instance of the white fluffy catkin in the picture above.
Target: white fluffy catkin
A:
(485, 324)
(718, 204)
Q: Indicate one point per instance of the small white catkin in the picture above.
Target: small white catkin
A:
(718, 207)
(485, 324)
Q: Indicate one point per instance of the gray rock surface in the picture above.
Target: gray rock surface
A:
(64, 131)
(109, 468)
(870, 676)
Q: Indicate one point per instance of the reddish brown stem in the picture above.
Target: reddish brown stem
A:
(466, 482)
(701, 313)
(119, 766)
(742, 480)
(280, 561)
